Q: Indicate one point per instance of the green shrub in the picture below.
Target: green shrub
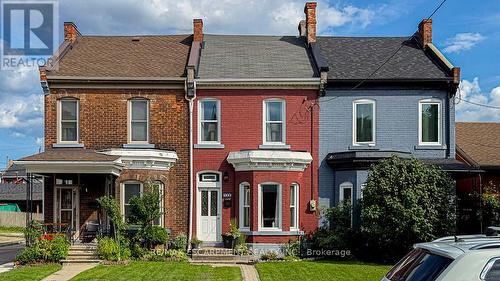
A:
(125, 252)
(176, 255)
(179, 243)
(47, 249)
(153, 235)
(108, 249)
(33, 231)
(137, 251)
(291, 250)
(404, 202)
(491, 205)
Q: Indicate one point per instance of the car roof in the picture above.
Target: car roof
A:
(455, 246)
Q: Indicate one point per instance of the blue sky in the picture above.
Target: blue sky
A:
(468, 32)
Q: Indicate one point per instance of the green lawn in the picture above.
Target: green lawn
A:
(151, 271)
(321, 270)
(11, 229)
(30, 273)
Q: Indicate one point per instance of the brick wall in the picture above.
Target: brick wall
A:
(103, 124)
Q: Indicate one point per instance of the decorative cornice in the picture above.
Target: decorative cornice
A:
(269, 160)
(150, 159)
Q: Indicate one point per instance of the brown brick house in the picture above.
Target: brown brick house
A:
(477, 146)
(116, 123)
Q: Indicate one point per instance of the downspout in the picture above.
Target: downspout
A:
(190, 96)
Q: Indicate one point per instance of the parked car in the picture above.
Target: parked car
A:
(454, 258)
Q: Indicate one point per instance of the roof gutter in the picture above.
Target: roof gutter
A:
(260, 83)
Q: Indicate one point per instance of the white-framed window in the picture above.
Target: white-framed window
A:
(429, 122)
(138, 127)
(245, 197)
(270, 206)
(129, 190)
(363, 128)
(68, 121)
(346, 192)
(136, 188)
(294, 206)
(274, 127)
(209, 125)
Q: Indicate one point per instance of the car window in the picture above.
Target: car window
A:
(493, 273)
(419, 265)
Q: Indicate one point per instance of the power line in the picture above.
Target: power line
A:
(479, 104)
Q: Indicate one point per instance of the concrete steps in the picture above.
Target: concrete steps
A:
(215, 255)
(82, 253)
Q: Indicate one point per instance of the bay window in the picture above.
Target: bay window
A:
(138, 121)
(294, 206)
(274, 122)
(245, 206)
(429, 122)
(209, 121)
(68, 121)
(364, 122)
(270, 206)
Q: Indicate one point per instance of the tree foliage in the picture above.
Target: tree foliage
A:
(491, 205)
(404, 202)
(146, 209)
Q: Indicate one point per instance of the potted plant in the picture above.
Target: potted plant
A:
(195, 242)
(230, 238)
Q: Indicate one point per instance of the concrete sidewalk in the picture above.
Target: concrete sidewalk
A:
(69, 271)
(11, 238)
(6, 267)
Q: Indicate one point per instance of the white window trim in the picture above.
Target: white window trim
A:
(345, 185)
(440, 120)
(129, 121)
(283, 122)
(354, 122)
(362, 187)
(200, 128)
(242, 205)
(59, 121)
(162, 201)
(296, 205)
(122, 194)
(280, 213)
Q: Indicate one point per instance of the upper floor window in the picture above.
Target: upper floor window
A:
(138, 121)
(68, 120)
(209, 121)
(364, 122)
(429, 122)
(274, 122)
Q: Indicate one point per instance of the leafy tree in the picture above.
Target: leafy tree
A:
(146, 209)
(491, 205)
(112, 209)
(404, 202)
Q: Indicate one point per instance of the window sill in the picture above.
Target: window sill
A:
(138, 145)
(68, 145)
(430, 147)
(273, 233)
(363, 147)
(208, 146)
(274, 146)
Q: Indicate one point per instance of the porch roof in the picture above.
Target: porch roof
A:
(71, 160)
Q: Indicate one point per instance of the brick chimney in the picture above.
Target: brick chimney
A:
(70, 32)
(310, 11)
(425, 31)
(198, 30)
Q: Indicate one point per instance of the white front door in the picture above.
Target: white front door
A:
(208, 227)
(67, 212)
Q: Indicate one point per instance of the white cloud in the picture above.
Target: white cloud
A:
(462, 42)
(471, 91)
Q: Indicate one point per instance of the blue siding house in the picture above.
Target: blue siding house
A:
(382, 96)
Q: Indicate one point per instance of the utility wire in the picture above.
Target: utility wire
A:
(479, 104)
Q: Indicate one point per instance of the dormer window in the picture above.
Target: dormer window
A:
(68, 125)
(138, 121)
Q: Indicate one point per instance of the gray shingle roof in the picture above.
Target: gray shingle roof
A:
(253, 57)
(355, 58)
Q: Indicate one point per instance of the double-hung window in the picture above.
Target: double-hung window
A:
(68, 121)
(346, 192)
(294, 206)
(270, 206)
(209, 116)
(130, 189)
(138, 121)
(245, 206)
(364, 122)
(429, 122)
(274, 122)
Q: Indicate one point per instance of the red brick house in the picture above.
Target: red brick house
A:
(116, 123)
(255, 136)
(477, 146)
